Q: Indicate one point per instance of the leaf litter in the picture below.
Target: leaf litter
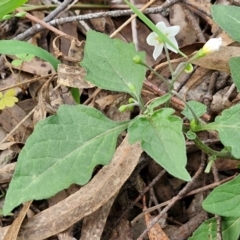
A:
(94, 204)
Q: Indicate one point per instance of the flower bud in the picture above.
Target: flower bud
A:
(212, 45)
(123, 108)
(137, 59)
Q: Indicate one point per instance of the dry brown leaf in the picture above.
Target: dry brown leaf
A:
(122, 231)
(156, 232)
(105, 101)
(93, 224)
(189, 89)
(12, 231)
(219, 60)
(35, 66)
(11, 117)
(72, 76)
(69, 72)
(6, 173)
(187, 35)
(3, 231)
(88, 199)
(6, 145)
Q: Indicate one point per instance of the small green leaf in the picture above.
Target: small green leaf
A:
(6, 17)
(234, 64)
(20, 14)
(109, 64)
(17, 62)
(208, 229)
(158, 101)
(228, 126)
(76, 95)
(224, 200)
(197, 107)
(63, 149)
(191, 135)
(228, 18)
(188, 68)
(162, 138)
(8, 99)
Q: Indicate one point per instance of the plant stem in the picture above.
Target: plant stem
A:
(156, 73)
(210, 151)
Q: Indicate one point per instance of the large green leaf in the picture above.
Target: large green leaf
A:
(234, 64)
(162, 138)
(225, 199)
(228, 126)
(208, 229)
(228, 18)
(109, 64)
(13, 47)
(7, 6)
(62, 150)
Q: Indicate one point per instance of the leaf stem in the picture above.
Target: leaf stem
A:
(210, 151)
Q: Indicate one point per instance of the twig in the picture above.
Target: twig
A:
(174, 199)
(25, 82)
(37, 28)
(17, 126)
(43, 24)
(131, 18)
(210, 186)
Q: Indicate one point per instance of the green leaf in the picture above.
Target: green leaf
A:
(109, 64)
(228, 126)
(63, 149)
(191, 135)
(75, 94)
(7, 6)
(208, 229)
(224, 200)
(157, 102)
(162, 138)
(228, 18)
(197, 107)
(234, 64)
(13, 47)
(17, 62)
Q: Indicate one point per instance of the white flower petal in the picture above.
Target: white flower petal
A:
(174, 42)
(173, 31)
(161, 26)
(157, 51)
(152, 39)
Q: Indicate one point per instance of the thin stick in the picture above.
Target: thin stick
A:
(17, 126)
(131, 18)
(25, 82)
(210, 186)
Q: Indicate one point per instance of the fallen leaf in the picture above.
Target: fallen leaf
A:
(219, 60)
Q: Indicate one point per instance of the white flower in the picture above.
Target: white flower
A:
(154, 40)
(212, 45)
